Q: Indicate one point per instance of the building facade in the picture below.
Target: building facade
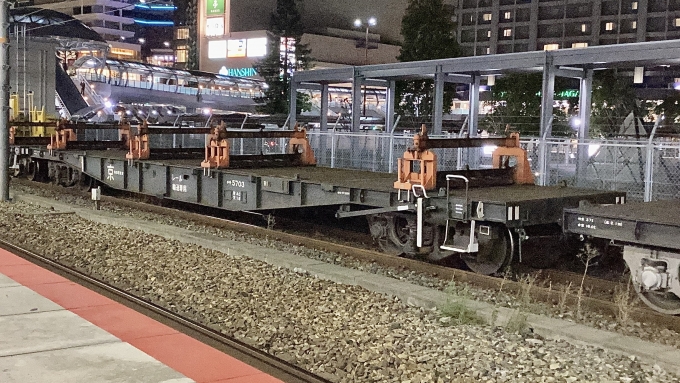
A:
(505, 26)
(232, 34)
(131, 28)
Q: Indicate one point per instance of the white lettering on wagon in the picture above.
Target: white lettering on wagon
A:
(111, 172)
(237, 183)
(179, 188)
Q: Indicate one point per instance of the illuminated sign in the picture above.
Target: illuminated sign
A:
(215, 7)
(217, 49)
(214, 26)
(236, 48)
(257, 47)
(238, 72)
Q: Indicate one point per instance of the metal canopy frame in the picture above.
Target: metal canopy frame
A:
(575, 63)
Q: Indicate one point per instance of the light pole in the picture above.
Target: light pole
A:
(371, 22)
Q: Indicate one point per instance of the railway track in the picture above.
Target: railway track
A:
(270, 364)
(602, 290)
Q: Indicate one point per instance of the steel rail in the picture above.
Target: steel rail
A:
(539, 294)
(288, 371)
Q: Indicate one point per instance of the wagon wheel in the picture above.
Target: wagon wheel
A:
(37, 171)
(663, 302)
(390, 232)
(496, 249)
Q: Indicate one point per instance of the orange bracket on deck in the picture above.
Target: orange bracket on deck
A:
(62, 135)
(500, 158)
(417, 155)
(139, 143)
(299, 144)
(217, 149)
(418, 166)
(12, 133)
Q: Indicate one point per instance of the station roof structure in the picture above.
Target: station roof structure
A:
(50, 25)
(577, 63)
(566, 62)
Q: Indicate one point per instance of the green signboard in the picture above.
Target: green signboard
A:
(215, 7)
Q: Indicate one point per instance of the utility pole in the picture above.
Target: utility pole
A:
(4, 101)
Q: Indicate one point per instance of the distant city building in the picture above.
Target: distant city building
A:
(232, 34)
(505, 26)
(131, 29)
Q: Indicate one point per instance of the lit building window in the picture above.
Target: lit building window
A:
(634, 5)
(488, 50)
(584, 28)
(486, 17)
(677, 21)
(507, 15)
(579, 45)
(507, 32)
(488, 34)
(182, 33)
(551, 47)
(633, 24)
(182, 55)
(122, 52)
(609, 26)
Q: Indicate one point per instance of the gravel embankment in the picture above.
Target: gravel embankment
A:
(595, 320)
(345, 333)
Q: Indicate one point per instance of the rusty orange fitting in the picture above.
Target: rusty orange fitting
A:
(217, 149)
(500, 158)
(299, 144)
(62, 135)
(417, 155)
(139, 144)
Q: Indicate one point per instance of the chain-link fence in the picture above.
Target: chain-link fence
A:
(645, 170)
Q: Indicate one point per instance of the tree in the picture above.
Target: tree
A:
(429, 33)
(613, 99)
(286, 54)
(517, 103)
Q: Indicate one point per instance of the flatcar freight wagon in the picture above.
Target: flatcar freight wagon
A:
(488, 216)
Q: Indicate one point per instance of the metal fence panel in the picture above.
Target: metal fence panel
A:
(644, 170)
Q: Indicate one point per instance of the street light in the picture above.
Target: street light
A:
(371, 22)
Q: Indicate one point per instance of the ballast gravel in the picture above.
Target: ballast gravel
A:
(344, 333)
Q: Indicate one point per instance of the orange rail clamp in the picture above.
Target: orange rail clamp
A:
(62, 135)
(216, 149)
(426, 175)
(139, 143)
(299, 144)
(500, 158)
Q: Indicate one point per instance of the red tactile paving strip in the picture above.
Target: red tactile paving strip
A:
(180, 352)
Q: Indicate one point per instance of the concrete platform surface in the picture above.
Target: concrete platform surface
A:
(53, 330)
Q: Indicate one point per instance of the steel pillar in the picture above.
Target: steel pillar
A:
(4, 102)
(357, 84)
(473, 112)
(324, 108)
(547, 100)
(438, 102)
(292, 109)
(389, 106)
(584, 108)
